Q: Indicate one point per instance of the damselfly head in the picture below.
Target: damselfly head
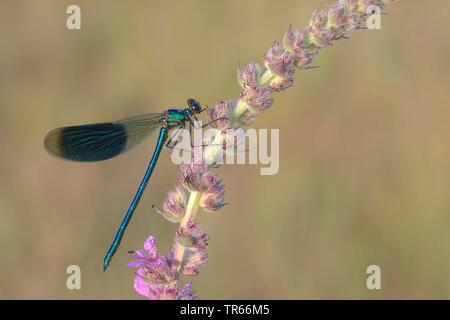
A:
(194, 106)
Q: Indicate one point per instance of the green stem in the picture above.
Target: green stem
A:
(265, 78)
(191, 209)
(191, 212)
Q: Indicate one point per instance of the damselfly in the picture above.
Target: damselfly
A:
(101, 141)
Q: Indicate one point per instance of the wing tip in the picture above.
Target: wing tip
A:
(51, 143)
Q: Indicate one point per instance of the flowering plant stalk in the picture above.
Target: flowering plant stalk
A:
(158, 276)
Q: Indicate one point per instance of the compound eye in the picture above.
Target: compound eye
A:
(194, 105)
(191, 103)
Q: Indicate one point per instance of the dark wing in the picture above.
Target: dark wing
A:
(101, 141)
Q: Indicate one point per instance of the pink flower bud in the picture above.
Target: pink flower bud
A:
(219, 115)
(213, 198)
(195, 261)
(249, 76)
(174, 205)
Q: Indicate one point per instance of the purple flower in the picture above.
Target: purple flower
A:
(187, 293)
(294, 42)
(174, 205)
(249, 77)
(220, 114)
(196, 177)
(337, 17)
(155, 274)
(164, 292)
(259, 98)
(213, 198)
(194, 262)
(279, 62)
(253, 102)
(152, 267)
(190, 236)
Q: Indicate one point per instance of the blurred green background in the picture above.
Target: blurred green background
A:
(364, 150)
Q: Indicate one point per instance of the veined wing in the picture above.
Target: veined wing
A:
(101, 141)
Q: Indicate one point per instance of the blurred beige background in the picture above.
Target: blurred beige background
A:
(364, 150)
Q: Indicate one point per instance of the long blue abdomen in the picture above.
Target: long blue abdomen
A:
(161, 140)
